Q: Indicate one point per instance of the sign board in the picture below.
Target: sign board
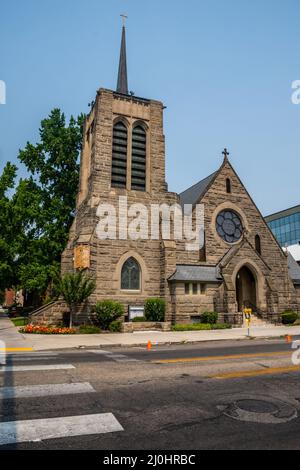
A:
(134, 312)
(248, 313)
(82, 257)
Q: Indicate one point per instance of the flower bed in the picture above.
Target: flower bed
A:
(47, 330)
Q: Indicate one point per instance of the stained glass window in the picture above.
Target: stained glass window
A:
(131, 275)
(229, 226)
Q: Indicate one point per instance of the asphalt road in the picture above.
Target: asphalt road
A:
(172, 398)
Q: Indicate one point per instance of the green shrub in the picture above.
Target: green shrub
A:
(107, 312)
(139, 320)
(289, 318)
(89, 330)
(116, 326)
(209, 317)
(155, 310)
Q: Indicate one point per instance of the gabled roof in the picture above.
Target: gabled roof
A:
(294, 269)
(197, 273)
(194, 193)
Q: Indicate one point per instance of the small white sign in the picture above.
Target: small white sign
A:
(135, 312)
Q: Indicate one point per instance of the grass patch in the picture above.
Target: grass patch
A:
(202, 327)
(89, 330)
(20, 321)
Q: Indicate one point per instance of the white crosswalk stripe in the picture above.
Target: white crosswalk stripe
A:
(30, 391)
(114, 356)
(43, 429)
(101, 352)
(36, 430)
(35, 368)
(35, 357)
(32, 355)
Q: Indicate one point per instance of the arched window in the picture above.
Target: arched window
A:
(119, 156)
(258, 244)
(138, 164)
(131, 275)
(228, 186)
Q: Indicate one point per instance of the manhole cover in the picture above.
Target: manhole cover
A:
(265, 410)
(257, 406)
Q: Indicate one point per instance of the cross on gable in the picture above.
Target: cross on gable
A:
(225, 153)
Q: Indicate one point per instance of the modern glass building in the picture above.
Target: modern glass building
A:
(286, 227)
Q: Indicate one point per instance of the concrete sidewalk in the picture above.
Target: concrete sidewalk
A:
(10, 335)
(43, 343)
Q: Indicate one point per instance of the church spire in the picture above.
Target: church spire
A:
(122, 86)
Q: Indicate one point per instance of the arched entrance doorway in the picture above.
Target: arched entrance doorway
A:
(245, 289)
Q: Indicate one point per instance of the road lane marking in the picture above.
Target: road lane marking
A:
(219, 358)
(29, 359)
(16, 349)
(114, 356)
(125, 359)
(34, 354)
(30, 391)
(55, 428)
(100, 351)
(26, 358)
(33, 368)
(255, 373)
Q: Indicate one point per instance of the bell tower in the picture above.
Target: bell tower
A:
(123, 149)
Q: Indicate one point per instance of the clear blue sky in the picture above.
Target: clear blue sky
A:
(223, 68)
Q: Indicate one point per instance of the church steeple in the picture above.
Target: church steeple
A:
(122, 86)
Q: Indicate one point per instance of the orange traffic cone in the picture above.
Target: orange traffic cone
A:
(289, 339)
(149, 346)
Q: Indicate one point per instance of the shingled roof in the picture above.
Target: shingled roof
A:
(194, 193)
(197, 273)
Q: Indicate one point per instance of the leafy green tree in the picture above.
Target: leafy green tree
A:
(75, 289)
(7, 240)
(44, 203)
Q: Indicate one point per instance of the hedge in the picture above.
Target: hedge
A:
(201, 327)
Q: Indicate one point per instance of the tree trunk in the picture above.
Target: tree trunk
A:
(72, 311)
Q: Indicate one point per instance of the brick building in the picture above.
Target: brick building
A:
(240, 264)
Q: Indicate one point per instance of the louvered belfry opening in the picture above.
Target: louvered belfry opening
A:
(138, 164)
(119, 156)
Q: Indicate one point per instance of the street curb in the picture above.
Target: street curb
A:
(156, 344)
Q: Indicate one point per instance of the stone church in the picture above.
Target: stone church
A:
(241, 263)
